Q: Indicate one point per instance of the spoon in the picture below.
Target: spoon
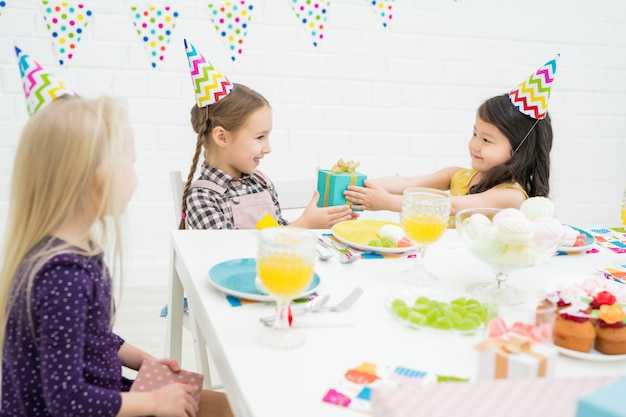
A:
(323, 254)
(314, 305)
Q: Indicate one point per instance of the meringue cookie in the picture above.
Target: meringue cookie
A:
(487, 244)
(515, 230)
(537, 207)
(391, 231)
(547, 229)
(474, 224)
(569, 236)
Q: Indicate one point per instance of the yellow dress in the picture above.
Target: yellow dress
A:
(459, 185)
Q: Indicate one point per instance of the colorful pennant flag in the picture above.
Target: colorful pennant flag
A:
(384, 9)
(532, 95)
(155, 26)
(66, 22)
(209, 83)
(40, 87)
(312, 14)
(231, 20)
(2, 4)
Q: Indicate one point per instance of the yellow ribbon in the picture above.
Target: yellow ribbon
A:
(505, 347)
(341, 167)
(345, 167)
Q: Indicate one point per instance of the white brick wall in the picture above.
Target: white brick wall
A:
(399, 100)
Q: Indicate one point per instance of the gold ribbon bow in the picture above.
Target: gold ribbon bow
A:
(345, 167)
(513, 345)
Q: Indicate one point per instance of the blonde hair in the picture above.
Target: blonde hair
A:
(231, 113)
(66, 167)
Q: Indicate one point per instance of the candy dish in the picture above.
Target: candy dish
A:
(589, 241)
(506, 240)
(433, 310)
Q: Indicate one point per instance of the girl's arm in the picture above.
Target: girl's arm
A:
(509, 197)
(132, 357)
(386, 193)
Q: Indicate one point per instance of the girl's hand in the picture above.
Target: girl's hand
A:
(372, 198)
(175, 400)
(171, 363)
(315, 217)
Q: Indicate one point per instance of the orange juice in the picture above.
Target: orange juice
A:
(423, 228)
(284, 275)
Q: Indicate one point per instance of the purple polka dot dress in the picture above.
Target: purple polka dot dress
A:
(60, 356)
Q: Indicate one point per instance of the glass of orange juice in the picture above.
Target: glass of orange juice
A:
(285, 260)
(425, 215)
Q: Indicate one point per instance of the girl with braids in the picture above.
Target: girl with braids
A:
(233, 127)
(510, 152)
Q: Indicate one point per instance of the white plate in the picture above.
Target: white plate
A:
(357, 233)
(589, 241)
(592, 356)
(236, 277)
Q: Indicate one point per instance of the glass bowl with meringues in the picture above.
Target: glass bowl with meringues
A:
(508, 240)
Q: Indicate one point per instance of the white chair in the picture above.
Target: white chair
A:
(202, 361)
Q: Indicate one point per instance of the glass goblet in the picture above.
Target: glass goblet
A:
(285, 260)
(504, 253)
(424, 217)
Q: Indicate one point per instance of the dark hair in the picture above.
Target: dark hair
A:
(230, 113)
(529, 164)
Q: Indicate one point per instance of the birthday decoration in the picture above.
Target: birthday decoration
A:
(66, 22)
(154, 27)
(2, 4)
(312, 14)
(383, 9)
(532, 95)
(231, 19)
(209, 83)
(40, 87)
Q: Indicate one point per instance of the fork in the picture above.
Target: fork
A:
(343, 305)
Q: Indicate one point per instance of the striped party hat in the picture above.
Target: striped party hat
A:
(40, 87)
(209, 83)
(531, 96)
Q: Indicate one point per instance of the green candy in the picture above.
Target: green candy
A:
(417, 318)
(375, 242)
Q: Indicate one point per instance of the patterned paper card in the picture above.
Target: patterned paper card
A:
(354, 390)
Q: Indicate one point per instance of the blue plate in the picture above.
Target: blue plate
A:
(589, 241)
(236, 277)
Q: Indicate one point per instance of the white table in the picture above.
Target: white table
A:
(263, 382)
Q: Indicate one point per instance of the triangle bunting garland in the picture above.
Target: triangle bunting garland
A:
(2, 4)
(231, 19)
(384, 9)
(155, 26)
(312, 14)
(66, 22)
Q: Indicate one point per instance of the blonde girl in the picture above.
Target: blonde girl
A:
(73, 177)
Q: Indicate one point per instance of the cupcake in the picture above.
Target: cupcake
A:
(573, 330)
(611, 330)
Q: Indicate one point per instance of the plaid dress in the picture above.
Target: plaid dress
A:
(210, 209)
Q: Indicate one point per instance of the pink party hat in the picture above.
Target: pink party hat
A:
(40, 87)
(209, 83)
(531, 96)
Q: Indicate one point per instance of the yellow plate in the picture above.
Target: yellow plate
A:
(357, 233)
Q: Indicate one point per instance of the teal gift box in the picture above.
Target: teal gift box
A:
(607, 401)
(331, 183)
